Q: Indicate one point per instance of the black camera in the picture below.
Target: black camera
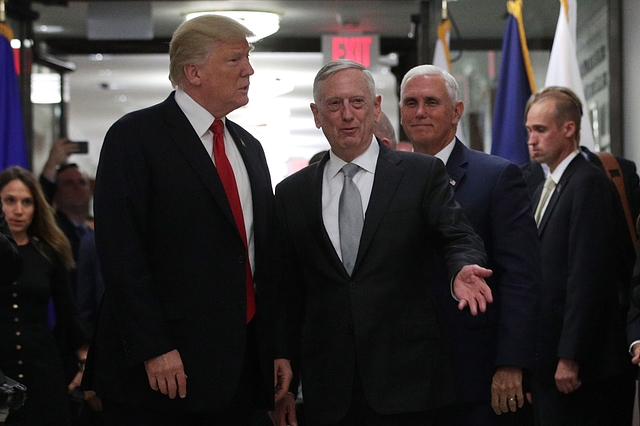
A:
(12, 393)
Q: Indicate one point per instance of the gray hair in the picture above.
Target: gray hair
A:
(450, 82)
(193, 41)
(333, 67)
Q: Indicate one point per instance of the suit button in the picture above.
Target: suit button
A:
(352, 284)
(243, 304)
(18, 347)
(15, 306)
(21, 376)
(350, 329)
(241, 258)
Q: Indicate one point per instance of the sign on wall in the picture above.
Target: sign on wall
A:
(364, 49)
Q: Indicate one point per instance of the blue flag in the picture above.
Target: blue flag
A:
(12, 148)
(515, 85)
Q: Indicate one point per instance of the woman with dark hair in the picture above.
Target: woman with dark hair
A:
(37, 312)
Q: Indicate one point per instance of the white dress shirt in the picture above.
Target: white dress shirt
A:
(445, 153)
(557, 174)
(333, 181)
(201, 120)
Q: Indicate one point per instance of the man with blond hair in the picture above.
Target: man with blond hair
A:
(185, 233)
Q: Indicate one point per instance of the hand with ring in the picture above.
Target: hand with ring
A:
(506, 390)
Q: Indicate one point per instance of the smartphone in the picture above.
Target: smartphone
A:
(83, 147)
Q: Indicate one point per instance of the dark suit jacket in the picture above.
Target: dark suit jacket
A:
(534, 176)
(10, 260)
(493, 194)
(585, 257)
(382, 320)
(90, 283)
(173, 263)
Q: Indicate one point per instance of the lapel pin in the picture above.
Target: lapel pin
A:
(452, 182)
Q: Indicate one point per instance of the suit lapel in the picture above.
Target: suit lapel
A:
(259, 177)
(385, 182)
(559, 190)
(457, 164)
(189, 143)
(313, 210)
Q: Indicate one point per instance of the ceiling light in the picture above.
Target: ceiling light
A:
(49, 29)
(262, 24)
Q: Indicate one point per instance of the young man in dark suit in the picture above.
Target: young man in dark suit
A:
(186, 237)
(371, 349)
(494, 197)
(581, 375)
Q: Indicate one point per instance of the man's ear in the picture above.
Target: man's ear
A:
(569, 129)
(458, 109)
(192, 74)
(314, 110)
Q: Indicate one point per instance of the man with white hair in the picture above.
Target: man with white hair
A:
(492, 353)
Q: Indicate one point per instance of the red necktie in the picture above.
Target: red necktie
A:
(231, 188)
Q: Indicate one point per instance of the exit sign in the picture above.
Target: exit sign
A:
(364, 49)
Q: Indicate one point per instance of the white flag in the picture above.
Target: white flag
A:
(442, 59)
(563, 65)
(441, 54)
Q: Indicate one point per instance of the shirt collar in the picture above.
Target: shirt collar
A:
(367, 160)
(445, 152)
(562, 166)
(197, 115)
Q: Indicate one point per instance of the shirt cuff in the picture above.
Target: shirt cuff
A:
(452, 292)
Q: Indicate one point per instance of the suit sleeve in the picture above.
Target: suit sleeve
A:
(89, 278)
(122, 204)
(635, 280)
(516, 268)
(460, 245)
(292, 291)
(48, 188)
(594, 237)
(72, 332)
